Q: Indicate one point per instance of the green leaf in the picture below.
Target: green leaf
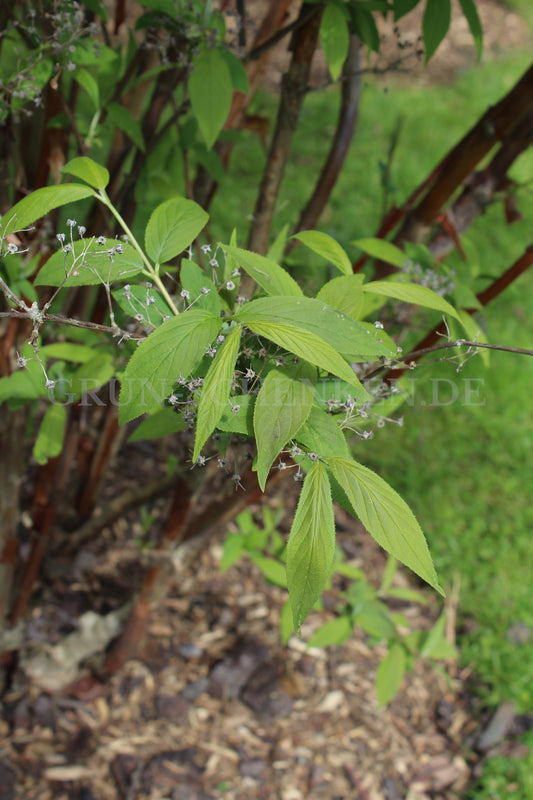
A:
(310, 347)
(68, 351)
(325, 245)
(25, 384)
(210, 92)
(268, 275)
(403, 7)
(321, 434)
(344, 293)
(436, 645)
(474, 23)
(194, 279)
(274, 571)
(344, 334)
(89, 171)
(40, 202)
(90, 264)
(411, 293)
(91, 376)
(162, 422)
(374, 619)
(435, 24)
(332, 633)
(239, 76)
(384, 251)
(364, 25)
(311, 546)
(242, 421)
(89, 84)
(281, 408)
(277, 248)
(216, 389)
(49, 442)
(386, 516)
(334, 38)
(171, 351)
(172, 227)
(122, 118)
(390, 674)
(286, 623)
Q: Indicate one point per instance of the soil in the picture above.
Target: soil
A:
(213, 706)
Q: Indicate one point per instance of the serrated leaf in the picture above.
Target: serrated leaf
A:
(386, 516)
(172, 227)
(344, 334)
(325, 245)
(216, 389)
(311, 546)
(321, 434)
(345, 294)
(194, 279)
(474, 23)
(411, 293)
(310, 347)
(435, 25)
(281, 408)
(332, 633)
(89, 84)
(89, 171)
(390, 674)
(268, 275)
(403, 7)
(162, 422)
(49, 442)
(210, 92)
(122, 118)
(40, 202)
(90, 264)
(334, 38)
(171, 351)
(383, 250)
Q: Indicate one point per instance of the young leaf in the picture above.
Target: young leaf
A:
(334, 632)
(239, 76)
(322, 243)
(474, 23)
(40, 202)
(93, 265)
(210, 91)
(311, 546)
(411, 293)
(89, 171)
(390, 674)
(268, 275)
(172, 227)
(49, 442)
(87, 82)
(386, 516)
(385, 251)
(310, 347)
(216, 389)
(321, 434)
(365, 26)
(343, 333)
(25, 384)
(282, 406)
(334, 38)
(435, 24)
(274, 571)
(286, 623)
(161, 423)
(345, 294)
(174, 349)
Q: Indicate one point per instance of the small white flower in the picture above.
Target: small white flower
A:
(12, 248)
(71, 223)
(205, 248)
(230, 286)
(185, 293)
(100, 240)
(235, 409)
(205, 290)
(213, 263)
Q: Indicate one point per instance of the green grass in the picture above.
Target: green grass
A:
(466, 470)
